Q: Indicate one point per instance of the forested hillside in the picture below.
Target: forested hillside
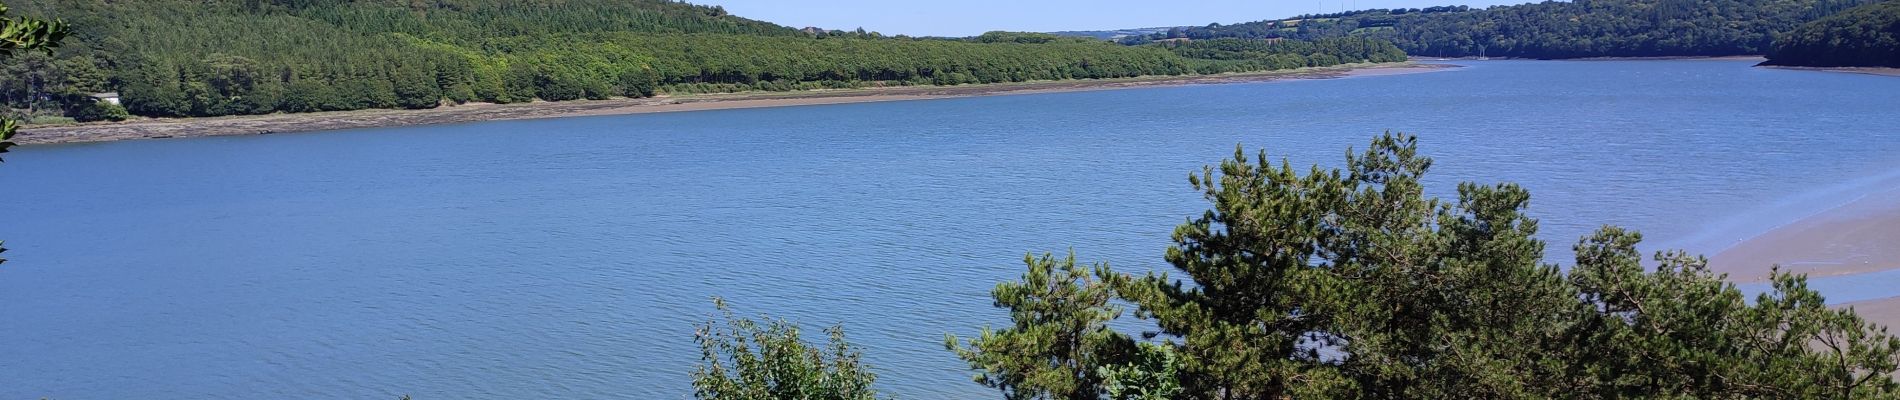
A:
(1866, 36)
(233, 57)
(1556, 29)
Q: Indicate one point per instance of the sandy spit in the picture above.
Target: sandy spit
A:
(1882, 71)
(1858, 237)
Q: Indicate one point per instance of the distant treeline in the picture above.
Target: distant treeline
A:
(1250, 54)
(1554, 29)
(1866, 36)
(172, 58)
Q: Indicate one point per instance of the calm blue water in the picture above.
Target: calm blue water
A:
(571, 258)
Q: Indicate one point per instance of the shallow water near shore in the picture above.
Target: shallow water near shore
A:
(571, 258)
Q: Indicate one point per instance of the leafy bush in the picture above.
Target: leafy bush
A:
(98, 111)
(1152, 375)
(745, 360)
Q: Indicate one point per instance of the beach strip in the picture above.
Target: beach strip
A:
(1882, 71)
(1885, 312)
(1860, 236)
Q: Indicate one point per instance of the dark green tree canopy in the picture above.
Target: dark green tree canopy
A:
(1352, 283)
(1059, 335)
(176, 58)
(1865, 36)
(1556, 29)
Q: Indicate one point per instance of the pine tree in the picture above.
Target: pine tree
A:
(1059, 336)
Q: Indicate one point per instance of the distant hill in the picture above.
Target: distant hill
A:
(1557, 29)
(1117, 34)
(190, 58)
(1865, 36)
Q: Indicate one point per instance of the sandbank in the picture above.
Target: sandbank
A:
(1860, 236)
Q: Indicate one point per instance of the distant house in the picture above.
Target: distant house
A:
(109, 97)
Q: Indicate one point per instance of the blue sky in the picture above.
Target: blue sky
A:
(970, 17)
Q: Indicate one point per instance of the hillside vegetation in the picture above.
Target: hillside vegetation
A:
(223, 57)
(1556, 29)
(1866, 36)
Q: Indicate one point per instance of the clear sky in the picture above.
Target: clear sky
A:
(971, 17)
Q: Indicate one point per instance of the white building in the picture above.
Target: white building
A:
(109, 97)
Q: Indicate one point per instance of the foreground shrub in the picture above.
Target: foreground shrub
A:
(98, 111)
(1353, 284)
(746, 360)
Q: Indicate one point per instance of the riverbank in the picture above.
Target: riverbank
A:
(1654, 58)
(1858, 237)
(1755, 58)
(475, 112)
(1882, 71)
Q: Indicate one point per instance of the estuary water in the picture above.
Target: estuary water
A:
(572, 258)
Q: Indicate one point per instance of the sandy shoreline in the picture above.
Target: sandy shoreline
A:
(1883, 311)
(1654, 58)
(1858, 237)
(1882, 71)
(325, 121)
(1755, 58)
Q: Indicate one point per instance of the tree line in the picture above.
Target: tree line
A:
(1865, 36)
(187, 58)
(1554, 29)
(1352, 283)
(1230, 54)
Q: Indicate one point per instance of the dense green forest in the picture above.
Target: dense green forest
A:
(1352, 283)
(173, 58)
(1226, 55)
(1865, 36)
(1554, 29)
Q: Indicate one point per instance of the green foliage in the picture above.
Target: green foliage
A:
(29, 33)
(181, 58)
(415, 86)
(1024, 38)
(1059, 335)
(1865, 36)
(7, 128)
(1681, 331)
(1228, 55)
(1154, 374)
(1557, 29)
(97, 111)
(1351, 283)
(1252, 304)
(639, 82)
(745, 360)
(24, 33)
